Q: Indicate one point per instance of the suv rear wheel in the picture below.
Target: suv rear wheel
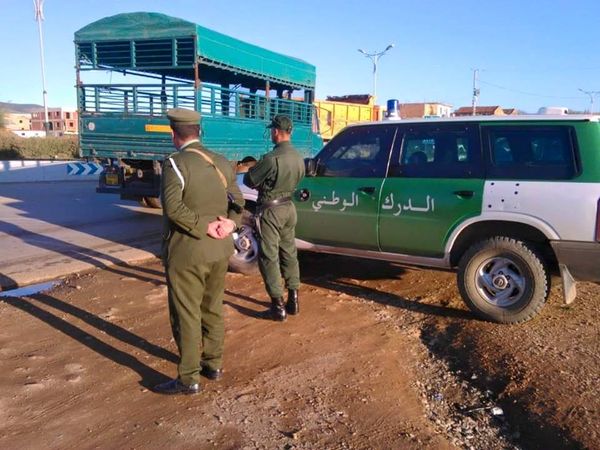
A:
(503, 280)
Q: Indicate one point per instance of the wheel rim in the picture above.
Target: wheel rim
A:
(246, 245)
(501, 281)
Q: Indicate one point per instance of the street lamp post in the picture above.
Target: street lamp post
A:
(592, 95)
(374, 57)
(38, 6)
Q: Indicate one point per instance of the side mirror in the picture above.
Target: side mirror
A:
(311, 166)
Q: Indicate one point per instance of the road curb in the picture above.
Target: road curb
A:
(133, 257)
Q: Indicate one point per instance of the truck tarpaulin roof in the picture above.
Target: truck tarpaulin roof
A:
(158, 43)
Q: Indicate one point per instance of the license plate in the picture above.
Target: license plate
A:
(112, 179)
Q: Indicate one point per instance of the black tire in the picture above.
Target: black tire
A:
(503, 280)
(245, 258)
(152, 202)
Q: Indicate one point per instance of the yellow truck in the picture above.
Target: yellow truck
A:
(336, 112)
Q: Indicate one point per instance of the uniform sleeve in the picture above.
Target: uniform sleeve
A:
(257, 175)
(234, 191)
(174, 208)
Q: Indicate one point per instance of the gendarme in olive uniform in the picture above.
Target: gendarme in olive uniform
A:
(193, 196)
(276, 177)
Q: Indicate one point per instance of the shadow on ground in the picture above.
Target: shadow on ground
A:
(341, 274)
(40, 306)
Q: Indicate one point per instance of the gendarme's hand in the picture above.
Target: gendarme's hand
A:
(220, 228)
(226, 226)
(243, 167)
(212, 229)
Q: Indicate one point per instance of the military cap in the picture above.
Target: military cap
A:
(281, 122)
(183, 116)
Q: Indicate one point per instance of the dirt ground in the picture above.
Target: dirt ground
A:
(380, 357)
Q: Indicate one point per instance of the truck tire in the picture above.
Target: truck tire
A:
(503, 280)
(152, 202)
(245, 258)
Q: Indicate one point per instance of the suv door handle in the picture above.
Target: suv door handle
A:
(464, 194)
(367, 190)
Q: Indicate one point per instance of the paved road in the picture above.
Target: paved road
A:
(48, 230)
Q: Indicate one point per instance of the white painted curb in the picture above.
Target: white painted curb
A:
(41, 170)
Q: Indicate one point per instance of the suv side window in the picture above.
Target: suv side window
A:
(531, 152)
(441, 152)
(360, 152)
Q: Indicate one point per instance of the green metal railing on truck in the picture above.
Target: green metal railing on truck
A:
(236, 86)
(156, 99)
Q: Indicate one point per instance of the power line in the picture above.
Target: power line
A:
(592, 95)
(542, 69)
(529, 93)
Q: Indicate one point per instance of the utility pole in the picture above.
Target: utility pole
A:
(374, 57)
(38, 6)
(592, 95)
(476, 90)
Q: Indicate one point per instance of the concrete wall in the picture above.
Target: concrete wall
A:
(40, 170)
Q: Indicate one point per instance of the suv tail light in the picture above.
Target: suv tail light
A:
(598, 221)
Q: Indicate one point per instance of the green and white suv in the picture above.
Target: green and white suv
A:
(506, 201)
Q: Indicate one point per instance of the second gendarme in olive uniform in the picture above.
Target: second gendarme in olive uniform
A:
(198, 222)
(276, 177)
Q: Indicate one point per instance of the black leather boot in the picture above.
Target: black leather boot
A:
(277, 310)
(292, 306)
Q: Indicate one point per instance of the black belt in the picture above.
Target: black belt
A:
(261, 207)
(274, 202)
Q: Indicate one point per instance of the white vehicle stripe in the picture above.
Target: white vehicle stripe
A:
(564, 209)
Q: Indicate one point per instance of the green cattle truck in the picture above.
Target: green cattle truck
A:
(152, 62)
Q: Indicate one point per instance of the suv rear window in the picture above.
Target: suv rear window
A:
(531, 153)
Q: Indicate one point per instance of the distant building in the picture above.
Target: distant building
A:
(29, 133)
(59, 121)
(481, 111)
(17, 121)
(418, 110)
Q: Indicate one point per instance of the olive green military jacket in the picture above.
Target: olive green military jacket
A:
(277, 174)
(192, 196)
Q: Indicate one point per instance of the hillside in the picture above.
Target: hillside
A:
(19, 108)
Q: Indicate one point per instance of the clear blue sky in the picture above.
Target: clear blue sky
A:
(530, 53)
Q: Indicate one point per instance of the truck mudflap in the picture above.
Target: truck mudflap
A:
(114, 181)
(110, 181)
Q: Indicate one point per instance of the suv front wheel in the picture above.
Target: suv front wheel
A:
(503, 280)
(245, 258)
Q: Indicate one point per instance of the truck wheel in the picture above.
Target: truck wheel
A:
(503, 280)
(152, 202)
(245, 258)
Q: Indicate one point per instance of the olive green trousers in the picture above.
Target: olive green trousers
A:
(196, 313)
(278, 255)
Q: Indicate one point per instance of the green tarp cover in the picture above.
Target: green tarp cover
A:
(215, 49)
